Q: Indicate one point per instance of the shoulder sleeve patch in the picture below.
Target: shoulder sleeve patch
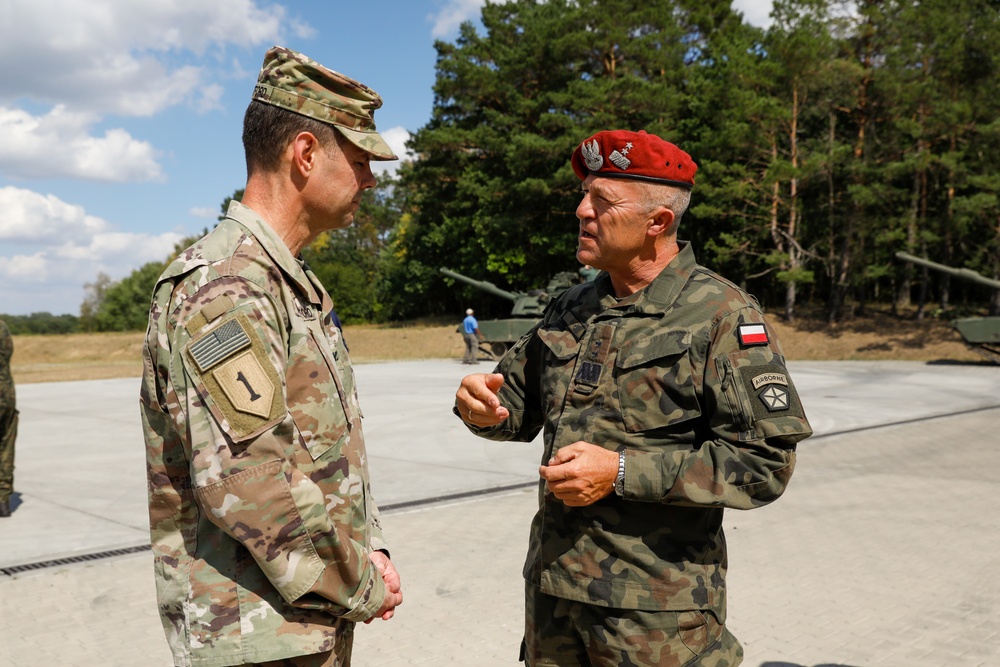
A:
(219, 344)
(774, 392)
(244, 390)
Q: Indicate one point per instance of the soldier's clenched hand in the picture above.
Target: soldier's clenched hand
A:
(581, 474)
(393, 591)
(477, 400)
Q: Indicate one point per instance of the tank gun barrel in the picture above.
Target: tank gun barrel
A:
(484, 285)
(963, 273)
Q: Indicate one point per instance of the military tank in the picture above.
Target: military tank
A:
(981, 334)
(499, 335)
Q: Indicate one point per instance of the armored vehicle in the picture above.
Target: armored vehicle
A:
(981, 334)
(499, 335)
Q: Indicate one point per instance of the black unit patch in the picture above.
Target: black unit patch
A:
(589, 373)
(775, 398)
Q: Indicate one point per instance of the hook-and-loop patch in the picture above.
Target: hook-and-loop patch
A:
(239, 377)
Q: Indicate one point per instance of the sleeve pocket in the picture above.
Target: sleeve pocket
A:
(256, 508)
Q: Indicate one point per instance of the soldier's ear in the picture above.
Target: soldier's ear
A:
(304, 150)
(660, 221)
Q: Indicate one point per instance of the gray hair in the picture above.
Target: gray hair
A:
(674, 198)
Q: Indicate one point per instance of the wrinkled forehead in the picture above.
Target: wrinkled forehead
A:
(620, 187)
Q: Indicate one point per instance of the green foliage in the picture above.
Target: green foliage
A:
(41, 323)
(844, 132)
(493, 194)
(349, 261)
(124, 305)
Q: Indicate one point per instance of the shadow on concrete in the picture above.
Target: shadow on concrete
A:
(15, 501)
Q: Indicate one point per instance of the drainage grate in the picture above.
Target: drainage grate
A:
(16, 569)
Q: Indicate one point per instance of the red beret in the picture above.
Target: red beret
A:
(624, 154)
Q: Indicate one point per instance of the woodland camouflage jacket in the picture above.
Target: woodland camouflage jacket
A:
(7, 398)
(260, 512)
(685, 377)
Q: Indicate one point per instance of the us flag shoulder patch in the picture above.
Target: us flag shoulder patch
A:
(218, 344)
(752, 334)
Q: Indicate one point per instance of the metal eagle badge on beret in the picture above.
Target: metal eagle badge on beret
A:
(592, 155)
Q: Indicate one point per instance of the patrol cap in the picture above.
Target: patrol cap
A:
(294, 82)
(625, 154)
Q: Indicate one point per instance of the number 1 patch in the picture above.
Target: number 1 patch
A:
(752, 334)
(240, 382)
(246, 384)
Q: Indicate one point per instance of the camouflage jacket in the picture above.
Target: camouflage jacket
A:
(707, 421)
(7, 398)
(260, 512)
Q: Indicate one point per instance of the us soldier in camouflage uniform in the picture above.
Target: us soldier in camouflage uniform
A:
(8, 420)
(265, 535)
(663, 398)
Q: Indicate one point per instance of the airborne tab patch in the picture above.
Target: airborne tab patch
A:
(219, 344)
(752, 334)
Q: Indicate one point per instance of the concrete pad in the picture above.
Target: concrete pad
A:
(80, 465)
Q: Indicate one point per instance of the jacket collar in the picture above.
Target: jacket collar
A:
(279, 253)
(657, 296)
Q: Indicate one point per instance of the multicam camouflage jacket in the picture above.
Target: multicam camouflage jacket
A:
(688, 377)
(260, 512)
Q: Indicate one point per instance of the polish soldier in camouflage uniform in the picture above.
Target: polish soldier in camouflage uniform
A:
(8, 420)
(663, 398)
(265, 535)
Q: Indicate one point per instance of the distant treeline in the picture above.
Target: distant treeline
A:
(41, 323)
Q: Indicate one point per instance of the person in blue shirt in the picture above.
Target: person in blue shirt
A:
(470, 332)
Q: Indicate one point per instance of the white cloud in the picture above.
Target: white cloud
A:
(23, 268)
(396, 137)
(33, 217)
(755, 12)
(59, 144)
(51, 248)
(204, 212)
(454, 13)
(114, 56)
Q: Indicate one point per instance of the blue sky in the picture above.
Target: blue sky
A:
(120, 120)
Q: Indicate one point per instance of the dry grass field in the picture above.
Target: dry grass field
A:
(113, 355)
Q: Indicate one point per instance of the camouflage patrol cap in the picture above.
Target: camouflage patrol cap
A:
(292, 81)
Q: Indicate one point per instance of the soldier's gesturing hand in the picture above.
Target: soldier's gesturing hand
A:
(477, 400)
(581, 474)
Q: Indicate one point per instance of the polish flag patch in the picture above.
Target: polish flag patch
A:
(752, 334)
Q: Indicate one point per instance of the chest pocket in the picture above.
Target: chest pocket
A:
(563, 345)
(320, 398)
(656, 388)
